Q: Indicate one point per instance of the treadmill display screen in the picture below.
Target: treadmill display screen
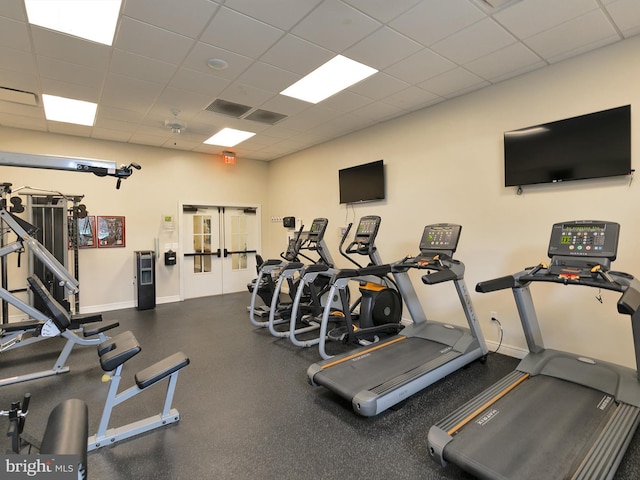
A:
(585, 239)
(443, 236)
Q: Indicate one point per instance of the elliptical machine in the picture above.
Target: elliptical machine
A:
(265, 284)
(380, 302)
(310, 296)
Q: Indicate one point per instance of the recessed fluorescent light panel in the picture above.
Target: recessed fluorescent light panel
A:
(229, 137)
(328, 79)
(60, 109)
(93, 20)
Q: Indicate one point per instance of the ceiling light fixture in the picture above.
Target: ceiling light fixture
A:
(217, 64)
(229, 137)
(328, 79)
(68, 110)
(95, 21)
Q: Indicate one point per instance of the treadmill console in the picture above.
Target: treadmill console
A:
(440, 236)
(584, 239)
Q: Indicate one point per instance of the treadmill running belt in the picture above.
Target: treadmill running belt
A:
(539, 430)
(370, 370)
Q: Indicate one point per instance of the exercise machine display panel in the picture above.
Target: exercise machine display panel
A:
(318, 227)
(585, 239)
(441, 236)
(367, 229)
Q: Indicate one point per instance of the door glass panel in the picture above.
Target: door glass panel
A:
(239, 237)
(202, 243)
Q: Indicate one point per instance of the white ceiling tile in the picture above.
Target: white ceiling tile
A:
(509, 61)
(412, 98)
(9, 119)
(346, 101)
(420, 66)
(335, 26)
(120, 114)
(473, 42)
(14, 34)
(188, 103)
(16, 60)
(69, 129)
(48, 43)
(129, 93)
(86, 92)
(283, 14)
(239, 33)
(308, 119)
(112, 135)
(114, 125)
(382, 48)
(72, 73)
(245, 95)
(378, 86)
(379, 112)
(382, 10)
(626, 14)
(267, 77)
(296, 55)
(153, 42)
(430, 21)
(172, 15)
(18, 80)
(528, 18)
(141, 67)
(13, 9)
(198, 82)
(451, 83)
(573, 35)
(20, 110)
(197, 60)
(285, 105)
(147, 139)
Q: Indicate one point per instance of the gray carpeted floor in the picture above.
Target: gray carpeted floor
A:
(247, 409)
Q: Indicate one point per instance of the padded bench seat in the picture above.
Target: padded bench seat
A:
(157, 371)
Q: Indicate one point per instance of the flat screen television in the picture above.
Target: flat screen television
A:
(362, 183)
(589, 146)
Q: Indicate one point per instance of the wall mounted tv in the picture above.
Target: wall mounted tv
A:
(589, 146)
(362, 183)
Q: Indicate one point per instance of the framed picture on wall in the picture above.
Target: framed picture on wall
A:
(86, 232)
(111, 232)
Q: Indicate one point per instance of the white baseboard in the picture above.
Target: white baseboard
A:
(122, 305)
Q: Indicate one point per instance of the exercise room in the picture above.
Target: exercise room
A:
(327, 239)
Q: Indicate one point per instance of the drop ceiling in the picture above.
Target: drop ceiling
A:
(426, 51)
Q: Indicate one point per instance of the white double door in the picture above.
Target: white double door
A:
(218, 249)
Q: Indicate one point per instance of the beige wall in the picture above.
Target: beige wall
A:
(167, 178)
(444, 164)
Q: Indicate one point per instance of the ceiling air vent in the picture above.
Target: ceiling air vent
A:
(228, 108)
(265, 116)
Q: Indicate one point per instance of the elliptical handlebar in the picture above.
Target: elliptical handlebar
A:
(344, 252)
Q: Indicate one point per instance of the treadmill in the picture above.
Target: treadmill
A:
(558, 415)
(379, 376)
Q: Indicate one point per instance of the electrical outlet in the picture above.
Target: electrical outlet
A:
(494, 315)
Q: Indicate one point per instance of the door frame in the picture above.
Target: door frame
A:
(209, 204)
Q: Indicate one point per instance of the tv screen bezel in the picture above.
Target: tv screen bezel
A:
(594, 121)
(377, 167)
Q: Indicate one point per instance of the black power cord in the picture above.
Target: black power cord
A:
(494, 319)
